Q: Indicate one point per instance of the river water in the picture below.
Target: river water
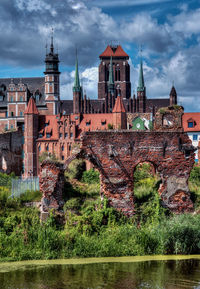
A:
(110, 273)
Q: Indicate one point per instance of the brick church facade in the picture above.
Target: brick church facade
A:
(54, 125)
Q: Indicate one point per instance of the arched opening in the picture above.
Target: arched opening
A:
(147, 199)
(82, 186)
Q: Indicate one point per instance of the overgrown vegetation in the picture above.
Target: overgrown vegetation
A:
(93, 229)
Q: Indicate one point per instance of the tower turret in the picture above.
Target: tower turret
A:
(173, 96)
(141, 90)
(77, 91)
(52, 81)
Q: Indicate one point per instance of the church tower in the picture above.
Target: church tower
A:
(121, 72)
(52, 81)
(141, 91)
(77, 91)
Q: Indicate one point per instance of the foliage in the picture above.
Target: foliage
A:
(94, 229)
(47, 155)
(110, 126)
(75, 169)
(91, 176)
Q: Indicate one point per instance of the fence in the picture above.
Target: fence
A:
(20, 186)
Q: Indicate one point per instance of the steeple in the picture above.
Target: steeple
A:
(141, 86)
(52, 47)
(141, 90)
(111, 84)
(173, 95)
(77, 86)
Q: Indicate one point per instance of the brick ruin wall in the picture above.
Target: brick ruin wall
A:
(11, 148)
(116, 155)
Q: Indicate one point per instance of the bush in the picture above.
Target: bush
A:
(75, 169)
(91, 177)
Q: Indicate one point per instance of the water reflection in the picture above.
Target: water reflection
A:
(150, 274)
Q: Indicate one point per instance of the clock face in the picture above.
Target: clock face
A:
(138, 125)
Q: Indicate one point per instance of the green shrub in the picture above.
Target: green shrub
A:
(75, 169)
(90, 177)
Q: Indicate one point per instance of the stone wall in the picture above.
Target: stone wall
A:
(11, 150)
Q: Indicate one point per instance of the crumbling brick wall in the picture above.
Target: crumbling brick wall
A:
(11, 148)
(51, 185)
(116, 155)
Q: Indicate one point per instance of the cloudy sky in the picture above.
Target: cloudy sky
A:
(168, 30)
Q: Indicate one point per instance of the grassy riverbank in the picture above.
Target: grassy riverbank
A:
(93, 229)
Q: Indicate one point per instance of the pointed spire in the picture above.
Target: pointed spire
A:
(111, 84)
(141, 86)
(31, 108)
(119, 105)
(77, 86)
(52, 47)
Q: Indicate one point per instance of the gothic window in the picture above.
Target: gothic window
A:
(60, 135)
(47, 148)
(69, 147)
(63, 148)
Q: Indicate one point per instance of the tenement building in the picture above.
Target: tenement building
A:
(54, 125)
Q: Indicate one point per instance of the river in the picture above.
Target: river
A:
(156, 272)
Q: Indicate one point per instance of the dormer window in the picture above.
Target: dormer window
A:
(190, 124)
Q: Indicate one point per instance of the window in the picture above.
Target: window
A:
(62, 148)
(195, 136)
(21, 98)
(76, 117)
(190, 124)
(46, 124)
(87, 123)
(69, 147)
(39, 148)
(71, 134)
(48, 135)
(21, 113)
(103, 122)
(66, 135)
(12, 88)
(62, 158)
(11, 126)
(11, 113)
(6, 127)
(21, 88)
(11, 99)
(60, 134)
(47, 148)
(40, 135)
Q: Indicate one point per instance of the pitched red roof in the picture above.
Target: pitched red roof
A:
(119, 52)
(31, 108)
(119, 105)
(191, 117)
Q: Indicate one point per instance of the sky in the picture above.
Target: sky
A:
(168, 30)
